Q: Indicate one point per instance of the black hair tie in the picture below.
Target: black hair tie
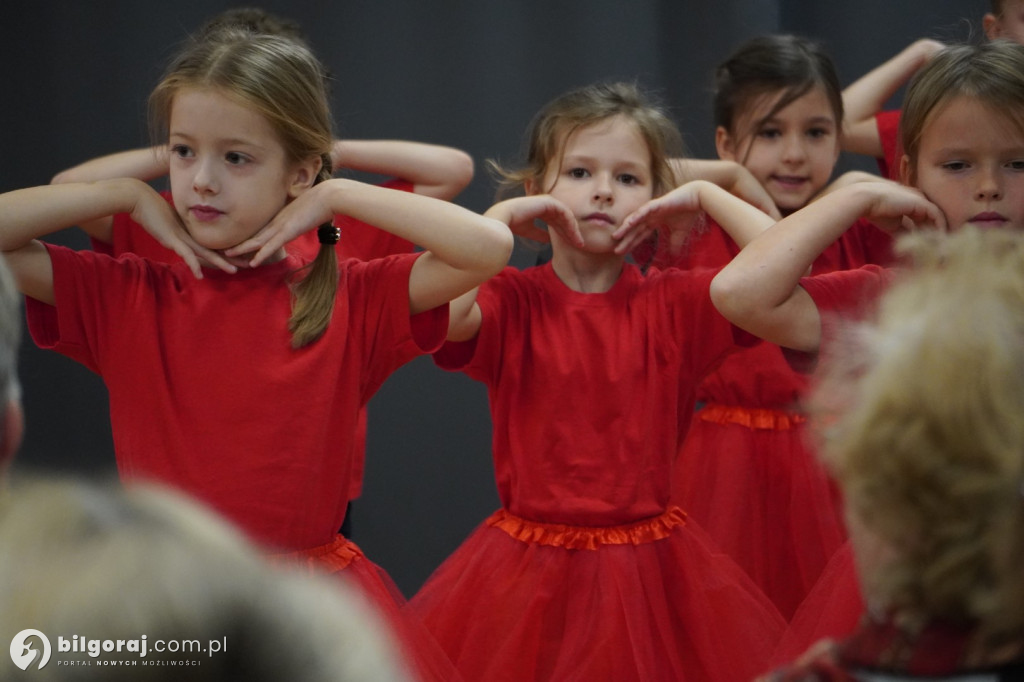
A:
(328, 234)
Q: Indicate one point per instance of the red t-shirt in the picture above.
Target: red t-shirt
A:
(206, 393)
(588, 392)
(888, 123)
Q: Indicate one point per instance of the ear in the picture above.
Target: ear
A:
(725, 144)
(304, 175)
(13, 430)
(906, 171)
(990, 24)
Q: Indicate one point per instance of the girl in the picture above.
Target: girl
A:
(744, 472)
(963, 132)
(251, 398)
(587, 572)
(927, 445)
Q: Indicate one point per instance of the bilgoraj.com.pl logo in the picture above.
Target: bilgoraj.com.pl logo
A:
(31, 649)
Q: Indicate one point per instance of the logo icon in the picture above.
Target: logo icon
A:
(26, 649)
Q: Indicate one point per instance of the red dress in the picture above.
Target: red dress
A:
(588, 572)
(207, 395)
(359, 240)
(745, 471)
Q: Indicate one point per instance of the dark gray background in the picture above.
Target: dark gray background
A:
(469, 73)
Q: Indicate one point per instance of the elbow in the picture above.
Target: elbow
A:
(460, 173)
(64, 177)
(500, 243)
(731, 298)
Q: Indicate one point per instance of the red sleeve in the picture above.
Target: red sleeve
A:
(840, 296)
(888, 123)
(364, 241)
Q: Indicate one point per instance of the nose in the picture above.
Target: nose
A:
(793, 149)
(989, 185)
(204, 179)
(602, 188)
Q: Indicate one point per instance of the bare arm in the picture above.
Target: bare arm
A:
(463, 248)
(866, 96)
(38, 211)
(147, 163)
(759, 290)
(728, 175)
(677, 211)
(435, 171)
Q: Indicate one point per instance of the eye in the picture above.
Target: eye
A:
(629, 179)
(769, 133)
(235, 158)
(954, 166)
(181, 150)
(578, 172)
(1016, 164)
(818, 133)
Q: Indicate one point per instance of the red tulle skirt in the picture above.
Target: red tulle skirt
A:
(748, 478)
(832, 610)
(649, 601)
(423, 654)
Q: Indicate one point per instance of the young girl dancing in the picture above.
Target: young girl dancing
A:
(963, 132)
(587, 572)
(745, 472)
(242, 384)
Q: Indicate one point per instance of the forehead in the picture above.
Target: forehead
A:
(812, 104)
(964, 121)
(618, 136)
(205, 112)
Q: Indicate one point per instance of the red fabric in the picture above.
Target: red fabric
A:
(831, 610)
(588, 573)
(344, 559)
(358, 240)
(888, 123)
(745, 472)
(206, 393)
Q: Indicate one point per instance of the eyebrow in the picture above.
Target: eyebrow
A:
(230, 142)
(580, 158)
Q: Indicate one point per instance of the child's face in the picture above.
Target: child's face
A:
(970, 163)
(792, 154)
(1009, 26)
(229, 172)
(604, 175)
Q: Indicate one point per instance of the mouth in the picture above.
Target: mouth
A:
(205, 214)
(988, 219)
(789, 181)
(602, 218)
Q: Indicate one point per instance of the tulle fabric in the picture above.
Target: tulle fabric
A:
(747, 477)
(832, 610)
(647, 602)
(341, 557)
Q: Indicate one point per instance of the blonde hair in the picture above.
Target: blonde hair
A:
(928, 442)
(110, 563)
(280, 79)
(552, 126)
(991, 73)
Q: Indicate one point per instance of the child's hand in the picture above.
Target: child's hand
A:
(152, 212)
(520, 213)
(893, 207)
(310, 210)
(674, 213)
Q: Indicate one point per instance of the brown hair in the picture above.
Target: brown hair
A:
(928, 440)
(579, 108)
(771, 64)
(280, 79)
(992, 73)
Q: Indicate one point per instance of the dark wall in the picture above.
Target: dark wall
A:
(73, 81)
